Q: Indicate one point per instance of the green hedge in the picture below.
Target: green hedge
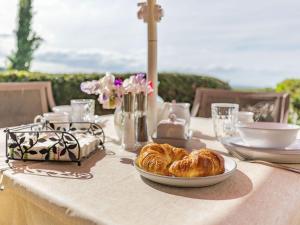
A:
(292, 86)
(180, 87)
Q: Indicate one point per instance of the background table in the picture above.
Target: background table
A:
(106, 189)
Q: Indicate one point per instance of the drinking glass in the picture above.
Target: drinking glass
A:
(225, 117)
(83, 110)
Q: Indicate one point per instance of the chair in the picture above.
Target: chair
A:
(21, 102)
(267, 106)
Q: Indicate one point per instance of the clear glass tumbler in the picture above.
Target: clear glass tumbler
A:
(83, 110)
(225, 118)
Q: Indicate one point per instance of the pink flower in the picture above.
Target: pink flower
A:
(140, 78)
(118, 82)
(150, 87)
(90, 87)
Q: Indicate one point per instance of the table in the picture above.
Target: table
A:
(107, 190)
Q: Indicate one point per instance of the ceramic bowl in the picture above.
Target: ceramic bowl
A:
(268, 135)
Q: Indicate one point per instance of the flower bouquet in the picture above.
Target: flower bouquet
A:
(110, 90)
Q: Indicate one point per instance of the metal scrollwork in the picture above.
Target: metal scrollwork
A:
(24, 143)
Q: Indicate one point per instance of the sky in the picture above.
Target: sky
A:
(250, 43)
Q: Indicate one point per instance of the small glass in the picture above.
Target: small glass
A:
(225, 118)
(83, 110)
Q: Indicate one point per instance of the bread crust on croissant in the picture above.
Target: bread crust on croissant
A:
(180, 153)
(156, 158)
(217, 161)
(199, 163)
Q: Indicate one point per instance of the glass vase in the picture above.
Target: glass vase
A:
(119, 122)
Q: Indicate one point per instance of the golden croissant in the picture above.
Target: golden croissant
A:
(199, 163)
(157, 158)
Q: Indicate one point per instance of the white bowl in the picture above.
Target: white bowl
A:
(268, 135)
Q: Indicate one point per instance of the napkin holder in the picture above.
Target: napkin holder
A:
(22, 141)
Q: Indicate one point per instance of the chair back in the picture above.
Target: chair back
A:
(267, 106)
(21, 102)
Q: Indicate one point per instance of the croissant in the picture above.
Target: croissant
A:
(216, 159)
(199, 163)
(156, 158)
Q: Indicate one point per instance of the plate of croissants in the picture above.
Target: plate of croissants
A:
(168, 165)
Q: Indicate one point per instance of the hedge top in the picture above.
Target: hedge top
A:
(172, 86)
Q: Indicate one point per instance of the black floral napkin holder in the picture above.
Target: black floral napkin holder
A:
(50, 141)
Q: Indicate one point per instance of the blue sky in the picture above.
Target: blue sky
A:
(248, 43)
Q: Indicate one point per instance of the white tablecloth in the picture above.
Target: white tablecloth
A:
(107, 190)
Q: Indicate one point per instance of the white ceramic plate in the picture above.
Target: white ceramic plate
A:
(230, 167)
(290, 154)
(238, 142)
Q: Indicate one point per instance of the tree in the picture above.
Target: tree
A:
(27, 40)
